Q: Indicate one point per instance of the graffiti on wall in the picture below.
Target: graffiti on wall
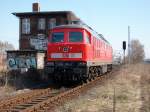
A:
(17, 61)
(21, 62)
(39, 42)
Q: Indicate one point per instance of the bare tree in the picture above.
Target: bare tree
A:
(137, 51)
(4, 46)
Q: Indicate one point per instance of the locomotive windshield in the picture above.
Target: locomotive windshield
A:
(57, 37)
(75, 37)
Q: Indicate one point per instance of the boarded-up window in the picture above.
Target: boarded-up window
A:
(52, 23)
(41, 24)
(26, 26)
(39, 42)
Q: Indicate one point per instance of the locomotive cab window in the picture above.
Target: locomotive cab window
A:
(57, 37)
(75, 37)
(87, 38)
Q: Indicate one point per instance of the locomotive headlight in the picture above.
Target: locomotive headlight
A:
(59, 64)
(82, 63)
(68, 64)
(50, 63)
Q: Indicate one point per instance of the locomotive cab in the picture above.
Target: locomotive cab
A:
(67, 53)
(76, 52)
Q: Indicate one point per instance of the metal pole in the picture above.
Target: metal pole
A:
(124, 56)
(6, 79)
(129, 54)
(114, 101)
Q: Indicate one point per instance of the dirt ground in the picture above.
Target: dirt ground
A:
(127, 91)
(7, 92)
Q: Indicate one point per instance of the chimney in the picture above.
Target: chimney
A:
(36, 7)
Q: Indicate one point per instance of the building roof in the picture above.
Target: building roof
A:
(43, 13)
(10, 51)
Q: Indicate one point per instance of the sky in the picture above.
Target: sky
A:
(108, 17)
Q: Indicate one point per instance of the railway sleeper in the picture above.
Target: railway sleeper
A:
(32, 103)
(37, 101)
(24, 105)
(21, 107)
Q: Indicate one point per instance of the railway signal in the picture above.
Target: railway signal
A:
(124, 45)
(124, 48)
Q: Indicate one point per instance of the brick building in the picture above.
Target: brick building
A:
(34, 30)
(34, 26)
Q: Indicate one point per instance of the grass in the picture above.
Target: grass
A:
(132, 93)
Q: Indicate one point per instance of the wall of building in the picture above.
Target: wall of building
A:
(24, 60)
(36, 39)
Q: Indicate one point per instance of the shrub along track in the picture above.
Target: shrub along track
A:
(46, 100)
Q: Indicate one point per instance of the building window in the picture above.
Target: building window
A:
(52, 23)
(26, 26)
(41, 24)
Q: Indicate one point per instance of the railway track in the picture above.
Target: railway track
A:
(21, 98)
(45, 100)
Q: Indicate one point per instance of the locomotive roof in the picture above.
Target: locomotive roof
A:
(84, 26)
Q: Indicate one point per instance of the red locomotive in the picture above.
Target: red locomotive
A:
(77, 53)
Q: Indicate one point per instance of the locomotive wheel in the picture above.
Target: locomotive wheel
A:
(92, 78)
(89, 77)
(99, 71)
(85, 80)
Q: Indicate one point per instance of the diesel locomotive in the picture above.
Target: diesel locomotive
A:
(76, 52)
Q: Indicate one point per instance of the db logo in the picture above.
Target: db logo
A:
(65, 49)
